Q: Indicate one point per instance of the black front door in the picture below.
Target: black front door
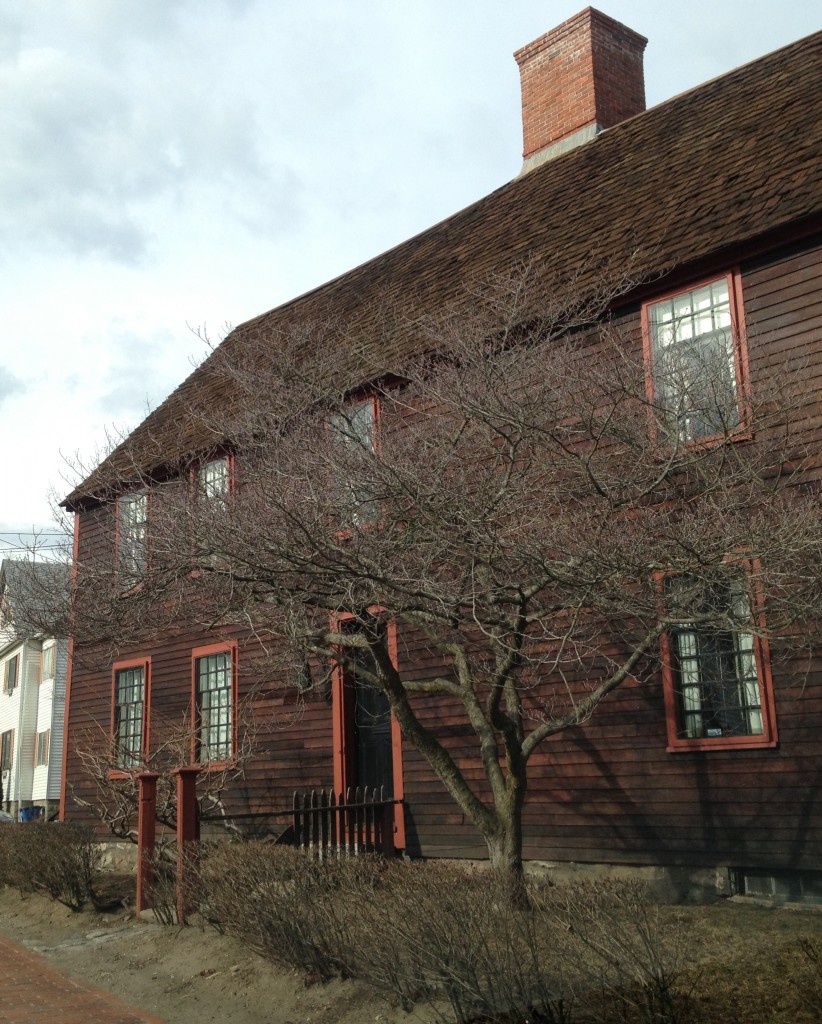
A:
(372, 725)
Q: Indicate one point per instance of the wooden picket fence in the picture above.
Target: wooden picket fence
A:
(359, 821)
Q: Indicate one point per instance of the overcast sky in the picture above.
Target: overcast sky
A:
(176, 163)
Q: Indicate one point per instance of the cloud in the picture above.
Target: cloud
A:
(108, 136)
(9, 385)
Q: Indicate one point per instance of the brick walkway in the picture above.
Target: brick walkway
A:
(31, 992)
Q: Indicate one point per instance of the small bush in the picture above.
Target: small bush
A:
(618, 946)
(58, 858)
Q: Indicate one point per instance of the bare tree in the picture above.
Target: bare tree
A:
(512, 496)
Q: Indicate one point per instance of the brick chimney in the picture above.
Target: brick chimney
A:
(582, 77)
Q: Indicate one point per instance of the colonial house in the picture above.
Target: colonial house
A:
(32, 701)
(721, 189)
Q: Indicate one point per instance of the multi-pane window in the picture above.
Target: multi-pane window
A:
(214, 700)
(715, 664)
(6, 750)
(129, 715)
(693, 359)
(132, 527)
(11, 673)
(213, 479)
(47, 663)
(353, 434)
(42, 752)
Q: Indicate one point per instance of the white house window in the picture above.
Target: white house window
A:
(42, 753)
(11, 674)
(47, 664)
(693, 369)
(6, 750)
(132, 543)
(129, 705)
(214, 701)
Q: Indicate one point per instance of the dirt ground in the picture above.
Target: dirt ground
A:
(183, 975)
(744, 964)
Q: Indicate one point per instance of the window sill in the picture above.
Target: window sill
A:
(722, 743)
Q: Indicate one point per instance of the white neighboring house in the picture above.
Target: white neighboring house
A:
(33, 669)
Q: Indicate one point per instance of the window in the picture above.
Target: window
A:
(47, 663)
(214, 479)
(11, 674)
(353, 433)
(129, 718)
(717, 676)
(214, 701)
(693, 344)
(132, 537)
(6, 750)
(42, 753)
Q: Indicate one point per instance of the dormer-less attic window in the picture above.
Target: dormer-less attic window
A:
(693, 343)
(214, 479)
(354, 436)
(132, 512)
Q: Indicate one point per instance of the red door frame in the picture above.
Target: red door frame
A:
(342, 712)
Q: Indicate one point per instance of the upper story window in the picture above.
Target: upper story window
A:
(214, 702)
(354, 432)
(129, 718)
(47, 663)
(214, 479)
(718, 687)
(11, 674)
(693, 346)
(132, 512)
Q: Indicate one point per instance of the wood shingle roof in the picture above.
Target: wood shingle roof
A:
(733, 161)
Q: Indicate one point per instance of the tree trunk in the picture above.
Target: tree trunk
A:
(505, 851)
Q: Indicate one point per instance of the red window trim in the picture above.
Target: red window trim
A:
(231, 647)
(769, 738)
(341, 711)
(739, 339)
(117, 666)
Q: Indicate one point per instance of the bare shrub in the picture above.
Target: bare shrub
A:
(58, 858)
(445, 934)
(281, 903)
(806, 979)
(619, 946)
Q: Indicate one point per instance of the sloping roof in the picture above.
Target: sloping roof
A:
(721, 165)
(36, 596)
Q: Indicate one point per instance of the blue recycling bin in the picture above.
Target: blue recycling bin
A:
(30, 813)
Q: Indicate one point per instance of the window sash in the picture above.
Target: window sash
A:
(133, 533)
(43, 744)
(716, 676)
(213, 479)
(354, 431)
(48, 663)
(129, 706)
(6, 750)
(11, 673)
(693, 361)
(215, 700)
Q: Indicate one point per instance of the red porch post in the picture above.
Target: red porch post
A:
(146, 809)
(188, 828)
